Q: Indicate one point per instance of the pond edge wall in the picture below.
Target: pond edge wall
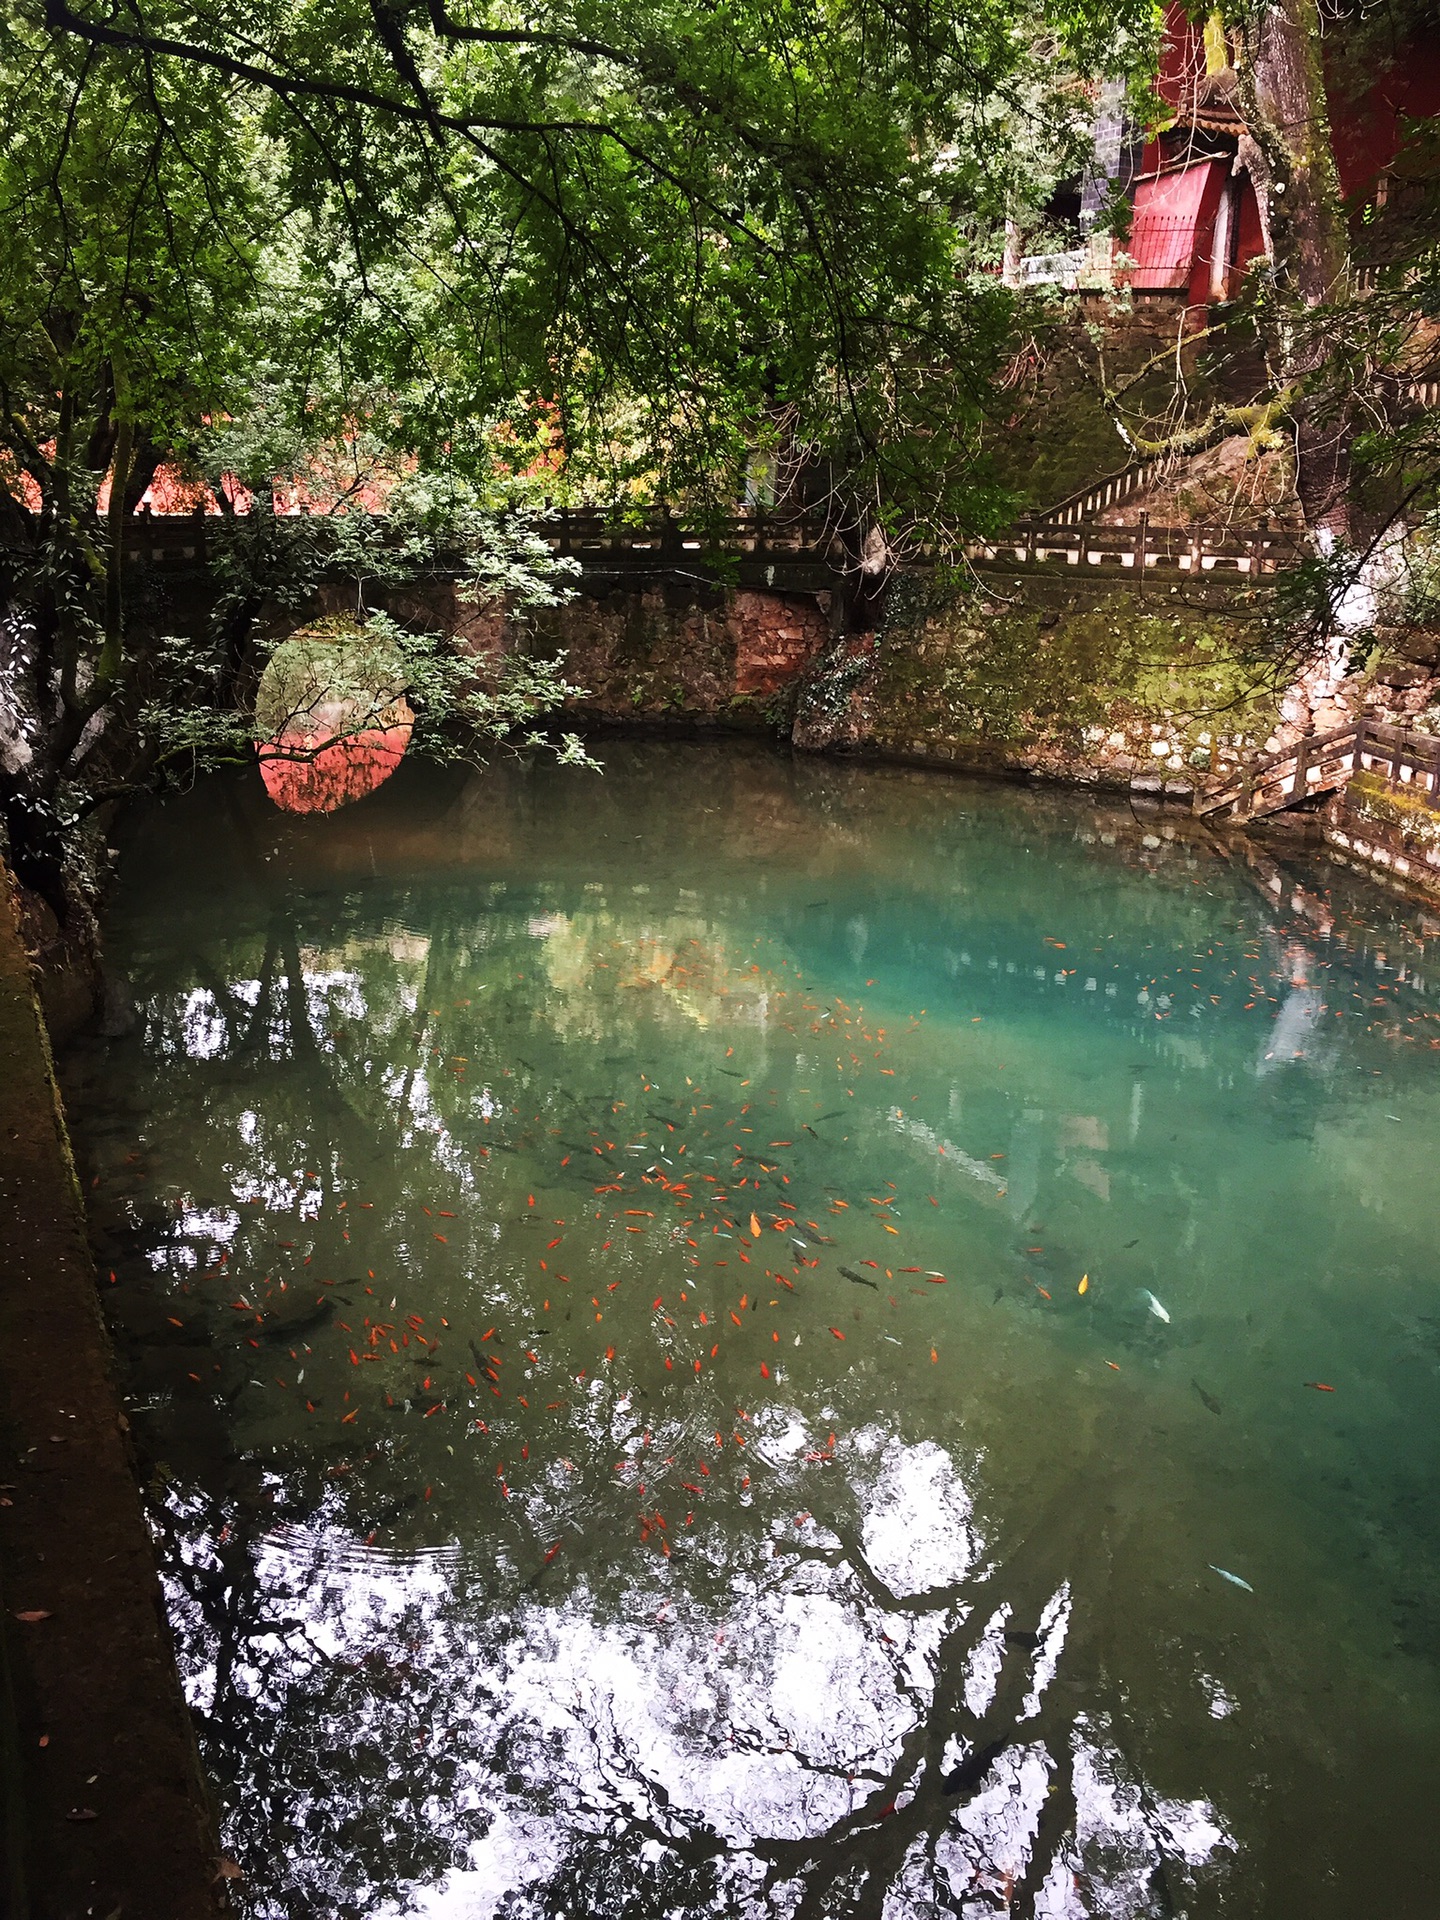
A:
(105, 1807)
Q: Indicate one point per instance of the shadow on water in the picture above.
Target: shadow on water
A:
(550, 1523)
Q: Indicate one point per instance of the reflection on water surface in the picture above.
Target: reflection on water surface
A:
(733, 1338)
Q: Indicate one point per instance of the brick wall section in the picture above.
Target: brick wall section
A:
(678, 650)
(775, 640)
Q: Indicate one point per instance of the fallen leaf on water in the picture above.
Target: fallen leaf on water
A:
(228, 1869)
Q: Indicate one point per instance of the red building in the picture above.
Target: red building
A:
(1198, 222)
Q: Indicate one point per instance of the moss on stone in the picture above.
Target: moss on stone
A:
(1408, 813)
(1064, 676)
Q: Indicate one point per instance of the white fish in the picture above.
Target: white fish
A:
(1154, 1305)
(1233, 1578)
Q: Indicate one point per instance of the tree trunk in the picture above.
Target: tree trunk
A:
(1289, 117)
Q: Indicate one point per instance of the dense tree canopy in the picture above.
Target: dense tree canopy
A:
(654, 222)
(613, 245)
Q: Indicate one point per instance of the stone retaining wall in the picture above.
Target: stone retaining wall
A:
(1387, 830)
(106, 1811)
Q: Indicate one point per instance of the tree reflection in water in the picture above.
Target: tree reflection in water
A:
(774, 1722)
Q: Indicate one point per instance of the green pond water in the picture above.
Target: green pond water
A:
(701, 1338)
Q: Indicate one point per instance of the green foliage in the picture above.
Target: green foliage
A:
(643, 224)
(355, 677)
(1415, 594)
(208, 699)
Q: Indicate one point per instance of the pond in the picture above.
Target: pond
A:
(744, 1336)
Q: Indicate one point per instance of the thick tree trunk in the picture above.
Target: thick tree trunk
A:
(1289, 119)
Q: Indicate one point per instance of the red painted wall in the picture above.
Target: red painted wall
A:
(1368, 130)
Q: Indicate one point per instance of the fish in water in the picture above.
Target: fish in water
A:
(1016, 1637)
(1131, 1243)
(1233, 1578)
(858, 1278)
(1154, 1305)
(1208, 1399)
(302, 1324)
(973, 1768)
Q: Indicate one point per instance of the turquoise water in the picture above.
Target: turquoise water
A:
(751, 1337)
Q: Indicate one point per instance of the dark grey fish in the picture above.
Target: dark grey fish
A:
(283, 1330)
(973, 1768)
(1209, 1400)
(396, 1508)
(859, 1279)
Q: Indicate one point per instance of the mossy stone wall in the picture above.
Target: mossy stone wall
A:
(1080, 678)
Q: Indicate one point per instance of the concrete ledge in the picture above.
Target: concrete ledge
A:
(1358, 839)
(105, 1809)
